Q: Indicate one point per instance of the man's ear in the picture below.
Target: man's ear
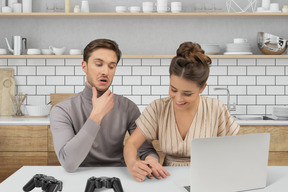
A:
(84, 66)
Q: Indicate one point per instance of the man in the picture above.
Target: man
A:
(89, 128)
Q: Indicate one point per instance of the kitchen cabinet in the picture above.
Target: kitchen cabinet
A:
(278, 154)
(33, 145)
(25, 145)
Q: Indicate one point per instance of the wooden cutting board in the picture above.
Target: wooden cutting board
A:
(7, 87)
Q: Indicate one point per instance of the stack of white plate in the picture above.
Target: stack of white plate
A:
(238, 49)
(281, 112)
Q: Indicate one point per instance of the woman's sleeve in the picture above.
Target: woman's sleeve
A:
(227, 124)
(148, 122)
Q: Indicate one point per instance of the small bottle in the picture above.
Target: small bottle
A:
(67, 6)
(77, 9)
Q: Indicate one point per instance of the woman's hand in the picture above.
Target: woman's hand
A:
(157, 170)
(139, 170)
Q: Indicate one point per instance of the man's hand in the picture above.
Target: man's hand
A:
(157, 170)
(102, 105)
(139, 170)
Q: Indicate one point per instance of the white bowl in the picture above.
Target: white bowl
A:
(75, 52)
(281, 112)
(33, 52)
(211, 49)
(46, 52)
(38, 110)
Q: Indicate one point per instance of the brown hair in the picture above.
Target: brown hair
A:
(101, 43)
(191, 63)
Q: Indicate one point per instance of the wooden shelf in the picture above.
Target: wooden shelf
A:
(143, 14)
(140, 56)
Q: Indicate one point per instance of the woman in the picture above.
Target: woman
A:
(177, 119)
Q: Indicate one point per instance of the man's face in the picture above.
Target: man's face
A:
(100, 69)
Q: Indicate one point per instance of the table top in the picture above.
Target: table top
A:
(10, 120)
(277, 180)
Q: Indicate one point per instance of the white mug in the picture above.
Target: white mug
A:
(240, 40)
(134, 9)
(85, 7)
(120, 9)
(6, 9)
(176, 7)
(162, 9)
(17, 7)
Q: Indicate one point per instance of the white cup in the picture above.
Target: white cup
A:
(6, 9)
(120, 9)
(266, 4)
(161, 9)
(17, 7)
(176, 7)
(239, 40)
(75, 52)
(148, 7)
(274, 7)
(85, 7)
(134, 9)
(3, 52)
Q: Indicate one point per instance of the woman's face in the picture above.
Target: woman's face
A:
(184, 93)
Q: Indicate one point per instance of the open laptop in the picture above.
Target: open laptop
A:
(229, 164)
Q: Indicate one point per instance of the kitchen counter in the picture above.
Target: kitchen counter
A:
(9, 120)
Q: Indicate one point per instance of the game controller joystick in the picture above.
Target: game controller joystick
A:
(47, 183)
(99, 182)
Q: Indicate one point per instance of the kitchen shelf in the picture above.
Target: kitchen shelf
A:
(143, 14)
(141, 56)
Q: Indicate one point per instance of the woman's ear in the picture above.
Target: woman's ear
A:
(203, 87)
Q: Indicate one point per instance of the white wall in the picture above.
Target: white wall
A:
(256, 85)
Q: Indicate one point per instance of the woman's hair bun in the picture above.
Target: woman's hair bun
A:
(193, 52)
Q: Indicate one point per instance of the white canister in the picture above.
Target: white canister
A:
(27, 6)
(10, 3)
(85, 7)
(266, 4)
(17, 7)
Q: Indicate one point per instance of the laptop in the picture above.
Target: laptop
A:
(229, 164)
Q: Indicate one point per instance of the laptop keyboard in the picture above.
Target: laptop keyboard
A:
(187, 188)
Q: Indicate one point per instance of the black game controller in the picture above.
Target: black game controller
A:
(107, 182)
(47, 183)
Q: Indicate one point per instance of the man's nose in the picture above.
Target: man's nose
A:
(105, 70)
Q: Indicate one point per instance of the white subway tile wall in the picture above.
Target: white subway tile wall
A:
(256, 85)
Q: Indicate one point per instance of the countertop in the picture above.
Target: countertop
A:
(277, 180)
(9, 120)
